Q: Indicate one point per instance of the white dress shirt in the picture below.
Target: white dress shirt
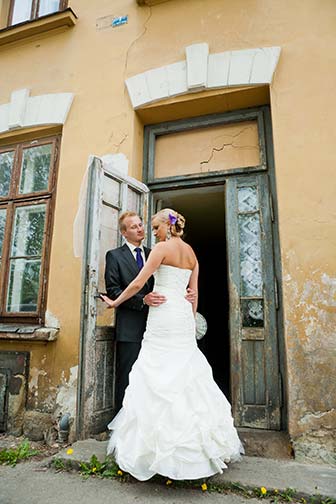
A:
(132, 249)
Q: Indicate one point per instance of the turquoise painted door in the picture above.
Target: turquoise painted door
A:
(255, 377)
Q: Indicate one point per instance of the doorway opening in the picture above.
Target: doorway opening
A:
(204, 210)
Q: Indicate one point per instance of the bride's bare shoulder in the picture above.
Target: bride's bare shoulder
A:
(160, 246)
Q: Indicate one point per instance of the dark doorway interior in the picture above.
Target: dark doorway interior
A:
(204, 210)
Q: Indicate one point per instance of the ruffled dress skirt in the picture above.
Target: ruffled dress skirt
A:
(175, 421)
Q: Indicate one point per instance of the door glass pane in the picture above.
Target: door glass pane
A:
(133, 200)
(252, 312)
(24, 280)
(48, 6)
(35, 169)
(6, 165)
(21, 11)
(247, 199)
(2, 228)
(250, 255)
(111, 191)
(28, 231)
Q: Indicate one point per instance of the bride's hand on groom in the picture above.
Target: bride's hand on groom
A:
(191, 295)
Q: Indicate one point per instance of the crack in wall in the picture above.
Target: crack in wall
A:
(230, 144)
(137, 38)
(119, 144)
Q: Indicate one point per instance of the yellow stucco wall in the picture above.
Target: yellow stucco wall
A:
(94, 63)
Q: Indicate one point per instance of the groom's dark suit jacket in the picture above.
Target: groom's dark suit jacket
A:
(121, 268)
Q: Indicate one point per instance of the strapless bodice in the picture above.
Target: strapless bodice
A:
(171, 278)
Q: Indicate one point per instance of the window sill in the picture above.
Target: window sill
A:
(58, 20)
(28, 333)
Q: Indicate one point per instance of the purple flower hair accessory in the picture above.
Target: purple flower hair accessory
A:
(172, 219)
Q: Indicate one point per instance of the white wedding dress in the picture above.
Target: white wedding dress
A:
(175, 421)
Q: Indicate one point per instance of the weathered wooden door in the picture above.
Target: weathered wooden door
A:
(109, 193)
(255, 377)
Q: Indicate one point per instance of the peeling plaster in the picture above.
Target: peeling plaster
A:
(35, 373)
(310, 314)
(51, 320)
(67, 394)
(309, 417)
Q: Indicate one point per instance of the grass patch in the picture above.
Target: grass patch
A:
(12, 456)
(106, 469)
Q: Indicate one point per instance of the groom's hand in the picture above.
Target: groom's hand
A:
(154, 299)
(191, 295)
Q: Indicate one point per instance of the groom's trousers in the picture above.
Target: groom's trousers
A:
(127, 354)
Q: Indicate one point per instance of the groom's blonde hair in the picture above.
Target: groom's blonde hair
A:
(124, 216)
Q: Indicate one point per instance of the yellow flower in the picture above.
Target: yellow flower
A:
(204, 487)
(120, 473)
(263, 490)
(169, 482)
(70, 451)
(276, 490)
(94, 469)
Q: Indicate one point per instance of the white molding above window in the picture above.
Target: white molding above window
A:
(24, 111)
(203, 71)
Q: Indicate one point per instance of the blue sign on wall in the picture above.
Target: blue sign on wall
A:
(118, 21)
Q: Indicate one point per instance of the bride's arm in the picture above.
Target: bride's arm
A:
(193, 284)
(154, 260)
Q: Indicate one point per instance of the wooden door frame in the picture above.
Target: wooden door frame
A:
(263, 117)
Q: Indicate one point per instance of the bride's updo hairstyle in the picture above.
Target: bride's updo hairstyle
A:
(175, 221)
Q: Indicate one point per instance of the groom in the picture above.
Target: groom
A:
(122, 266)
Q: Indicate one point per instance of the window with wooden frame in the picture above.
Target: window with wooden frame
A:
(28, 10)
(27, 193)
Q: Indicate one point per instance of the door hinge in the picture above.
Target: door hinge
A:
(271, 207)
(276, 294)
(86, 289)
(280, 391)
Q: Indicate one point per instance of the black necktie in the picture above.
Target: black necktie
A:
(139, 258)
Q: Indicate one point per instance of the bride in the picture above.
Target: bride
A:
(175, 421)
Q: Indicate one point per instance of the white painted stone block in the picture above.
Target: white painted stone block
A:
(157, 83)
(274, 58)
(264, 65)
(4, 115)
(197, 65)
(218, 69)
(48, 109)
(17, 108)
(32, 111)
(240, 67)
(39, 111)
(177, 78)
(138, 90)
(59, 106)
